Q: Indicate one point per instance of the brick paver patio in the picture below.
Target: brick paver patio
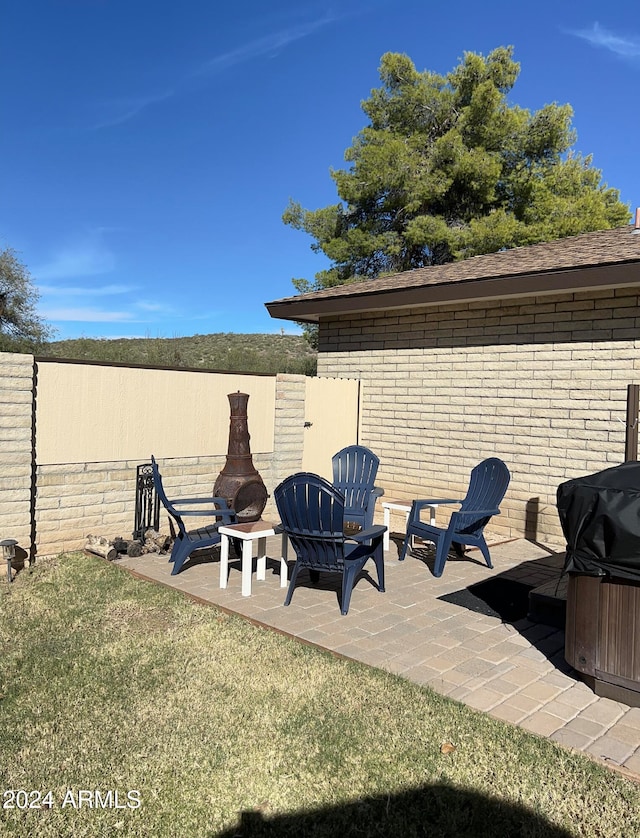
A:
(513, 671)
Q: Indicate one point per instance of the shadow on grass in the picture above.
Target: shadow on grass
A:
(441, 811)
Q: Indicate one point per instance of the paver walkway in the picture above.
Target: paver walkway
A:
(513, 671)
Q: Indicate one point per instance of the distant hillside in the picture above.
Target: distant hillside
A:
(228, 352)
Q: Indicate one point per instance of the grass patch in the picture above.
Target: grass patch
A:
(112, 684)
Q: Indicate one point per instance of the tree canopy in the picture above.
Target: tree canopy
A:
(21, 330)
(447, 168)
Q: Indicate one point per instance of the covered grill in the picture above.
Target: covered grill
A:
(600, 518)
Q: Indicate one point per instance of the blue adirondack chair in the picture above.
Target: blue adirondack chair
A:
(487, 487)
(354, 472)
(189, 540)
(312, 513)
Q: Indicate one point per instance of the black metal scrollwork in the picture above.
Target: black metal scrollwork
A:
(147, 514)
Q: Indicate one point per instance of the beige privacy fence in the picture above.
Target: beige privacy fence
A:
(72, 435)
(89, 413)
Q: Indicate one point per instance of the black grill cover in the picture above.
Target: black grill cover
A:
(600, 517)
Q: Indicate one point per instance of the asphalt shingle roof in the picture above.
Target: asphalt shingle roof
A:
(603, 247)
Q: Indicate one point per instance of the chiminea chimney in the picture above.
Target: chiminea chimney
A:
(239, 482)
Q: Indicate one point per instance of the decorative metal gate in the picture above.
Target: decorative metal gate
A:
(147, 516)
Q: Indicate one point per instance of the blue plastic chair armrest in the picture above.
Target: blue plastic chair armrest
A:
(202, 513)
(372, 532)
(475, 513)
(205, 513)
(377, 492)
(221, 502)
(217, 508)
(420, 504)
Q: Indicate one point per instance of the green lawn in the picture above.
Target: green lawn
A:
(205, 725)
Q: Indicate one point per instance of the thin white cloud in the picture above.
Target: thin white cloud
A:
(102, 291)
(89, 315)
(267, 45)
(60, 304)
(144, 305)
(86, 257)
(621, 46)
(117, 111)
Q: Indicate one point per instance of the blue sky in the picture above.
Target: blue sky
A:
(150, 148)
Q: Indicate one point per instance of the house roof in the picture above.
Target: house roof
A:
(603, 259)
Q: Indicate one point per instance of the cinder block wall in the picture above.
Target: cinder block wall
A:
(540, 382)
(78, 499)
(16, 450)
(289, 426)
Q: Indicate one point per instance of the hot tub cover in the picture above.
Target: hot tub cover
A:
(600, 518)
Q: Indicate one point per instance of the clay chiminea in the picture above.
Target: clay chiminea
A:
(239, 483)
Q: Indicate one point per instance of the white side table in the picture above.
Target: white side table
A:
(401, 506)
(248, 533)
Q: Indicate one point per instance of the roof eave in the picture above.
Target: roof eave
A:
(306, 309)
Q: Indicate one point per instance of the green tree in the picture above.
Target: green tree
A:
(21, 330)
(447, 169)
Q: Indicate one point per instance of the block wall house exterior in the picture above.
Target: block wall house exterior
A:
(524, 354)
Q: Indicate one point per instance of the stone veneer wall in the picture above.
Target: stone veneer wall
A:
(540, 382)
(16, 447)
